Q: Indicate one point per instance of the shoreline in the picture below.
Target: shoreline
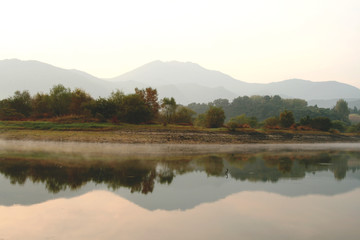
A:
(177, 136)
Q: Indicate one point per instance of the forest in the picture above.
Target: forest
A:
(144, 107)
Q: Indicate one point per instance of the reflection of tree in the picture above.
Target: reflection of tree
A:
(213, 165)
(140, 175)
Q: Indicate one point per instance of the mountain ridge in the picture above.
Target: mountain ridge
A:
(185, 81)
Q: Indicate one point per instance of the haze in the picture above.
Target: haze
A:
(253, 41)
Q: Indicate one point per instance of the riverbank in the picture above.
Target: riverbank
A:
(181, 135)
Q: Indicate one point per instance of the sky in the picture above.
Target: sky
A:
(253, 41)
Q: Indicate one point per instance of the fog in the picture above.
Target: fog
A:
(162, 149)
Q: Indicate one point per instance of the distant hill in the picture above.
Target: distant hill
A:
(40, 77)
(213, 84)
(330, 103)
(186, 82)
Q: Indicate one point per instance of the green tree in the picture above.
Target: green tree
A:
(79, 100)
(135, 109)
(21, 103)
(286, 119)
(168, 106)
(102, 107)
(60, 99)
(305, 121)
(184, 115)
(214, 117)
(41, 105)
(342, 109)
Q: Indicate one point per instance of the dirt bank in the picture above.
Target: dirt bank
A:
(177, 136)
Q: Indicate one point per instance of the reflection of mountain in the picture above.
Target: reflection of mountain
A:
(181, 183)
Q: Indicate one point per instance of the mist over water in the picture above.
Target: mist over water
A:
(163, 149)
(237, 189)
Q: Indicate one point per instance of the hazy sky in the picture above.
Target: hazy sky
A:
(253, 40)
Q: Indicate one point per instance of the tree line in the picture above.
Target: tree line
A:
(143, 106)
(276, 112)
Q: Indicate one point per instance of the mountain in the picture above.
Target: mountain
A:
(40, 77)
(181, 78)
(308, 90)
(185, 81)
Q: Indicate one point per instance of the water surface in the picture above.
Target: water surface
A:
(111, 191)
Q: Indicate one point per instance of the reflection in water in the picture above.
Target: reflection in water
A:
(247, 215)
(250, 195)
(140, 175)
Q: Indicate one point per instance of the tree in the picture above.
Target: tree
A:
(60, 99)
(41, 105)
(168, 106)
(150, 97)
(214, 117)
(184, 115)
(79, 99)
(342, 109)
(286, 119)
(305, 121)
(21, 103)
(135, 109)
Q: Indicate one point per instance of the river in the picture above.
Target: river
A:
(54, 190)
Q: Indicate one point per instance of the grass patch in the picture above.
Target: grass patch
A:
(53, 126)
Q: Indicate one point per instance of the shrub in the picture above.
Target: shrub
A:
(100, 118)
(231, 126)
(321, 123)
(244, 120)
(214, 117)
(286, 119)
(338, 125)
(354, 128)
(200, 120)
(272, 122)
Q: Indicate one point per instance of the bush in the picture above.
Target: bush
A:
(338, 125)
(214, 117)
(10, 114)
(305, 121)
(184, 115)
(100, 118)
(321, 123)
(272, 122)
(354, 128)
(244, 120)
(286, 119)
(231, 126)
(200, 120)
